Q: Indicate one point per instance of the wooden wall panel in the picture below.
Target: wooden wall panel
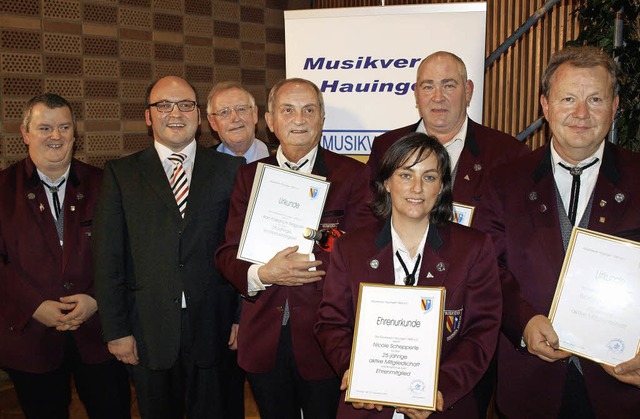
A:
(511, 96)
(101, 55)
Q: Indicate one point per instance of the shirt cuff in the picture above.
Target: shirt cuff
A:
(254, 285)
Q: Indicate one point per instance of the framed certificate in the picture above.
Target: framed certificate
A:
(282, 204)
(395, 356)
(463, 214)
(596, 306)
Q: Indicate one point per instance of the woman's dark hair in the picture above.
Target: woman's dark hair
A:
(420, 146)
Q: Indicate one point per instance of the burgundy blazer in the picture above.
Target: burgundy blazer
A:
(34, 268)
(470, 277)
(260, 323)
(519, 211)
(484, 148)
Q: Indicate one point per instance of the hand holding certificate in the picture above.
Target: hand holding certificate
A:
(282, 204)
(396, 346)
(596, 307)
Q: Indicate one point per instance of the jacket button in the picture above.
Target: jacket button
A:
(67, 285)
(181, 265)
(280, 309)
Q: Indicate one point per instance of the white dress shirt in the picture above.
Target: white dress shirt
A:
(564, 180)
(455, 145)
(164, 153)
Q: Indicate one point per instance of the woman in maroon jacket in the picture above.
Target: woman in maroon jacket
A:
(416, 240)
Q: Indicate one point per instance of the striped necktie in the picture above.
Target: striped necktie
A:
(179, 183)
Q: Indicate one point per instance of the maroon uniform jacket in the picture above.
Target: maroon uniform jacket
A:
(34, 267)
(472, 310)
(484, 148)
(346, 208)
(519, 210)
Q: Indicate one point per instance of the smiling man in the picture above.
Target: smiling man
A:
(166, 310)
(49, 329)
(443, 93)
(233, 114)
(530, 208)
(276, 345)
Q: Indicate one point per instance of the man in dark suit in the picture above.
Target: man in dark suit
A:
(530, 208)
(276, 346)
(443, 94)
(48, 327)
(166, 310)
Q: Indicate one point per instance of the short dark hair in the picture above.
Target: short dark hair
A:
(147, 96)
(422, 145)
(581, 57)
(51, 101)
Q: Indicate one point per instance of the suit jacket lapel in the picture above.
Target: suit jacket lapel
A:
(470, 167)
(541, 204)
(433, 270)
(41, 211)
(74, 210)
(151, 170)
(609, 200)
(320, 166)
(379, 267)
(197, 187)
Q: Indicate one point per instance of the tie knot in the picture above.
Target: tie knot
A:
(54, 188)
(294, 166)
(177, 158)
(576, 171)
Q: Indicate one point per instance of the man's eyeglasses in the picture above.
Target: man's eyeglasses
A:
(166, 106)
(240, 110)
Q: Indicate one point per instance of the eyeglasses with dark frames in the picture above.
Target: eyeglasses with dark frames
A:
(166, 106)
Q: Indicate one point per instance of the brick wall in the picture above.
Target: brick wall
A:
(102, 54)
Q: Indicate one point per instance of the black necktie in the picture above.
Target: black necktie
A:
(54, 192)
(575, 171)
(410, 278)
(296, 167)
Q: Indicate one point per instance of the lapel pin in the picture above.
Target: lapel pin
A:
(466, 177)
(72, 208)
(31, 196)
(543, 208)
(602, 219)
(603, 203)
(429, 275)
(440, 267)
(619, 197)
(79, 196)
(374, 263)
(477, 167)
(41, 207)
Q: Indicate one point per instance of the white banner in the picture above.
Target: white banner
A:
(365, 61)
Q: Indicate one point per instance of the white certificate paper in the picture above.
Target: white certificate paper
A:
(396, 346)
(596, 306)
(282, 204)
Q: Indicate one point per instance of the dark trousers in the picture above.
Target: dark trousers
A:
(201, 393)
(575, 400)
(102, 388)
(281, 393)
